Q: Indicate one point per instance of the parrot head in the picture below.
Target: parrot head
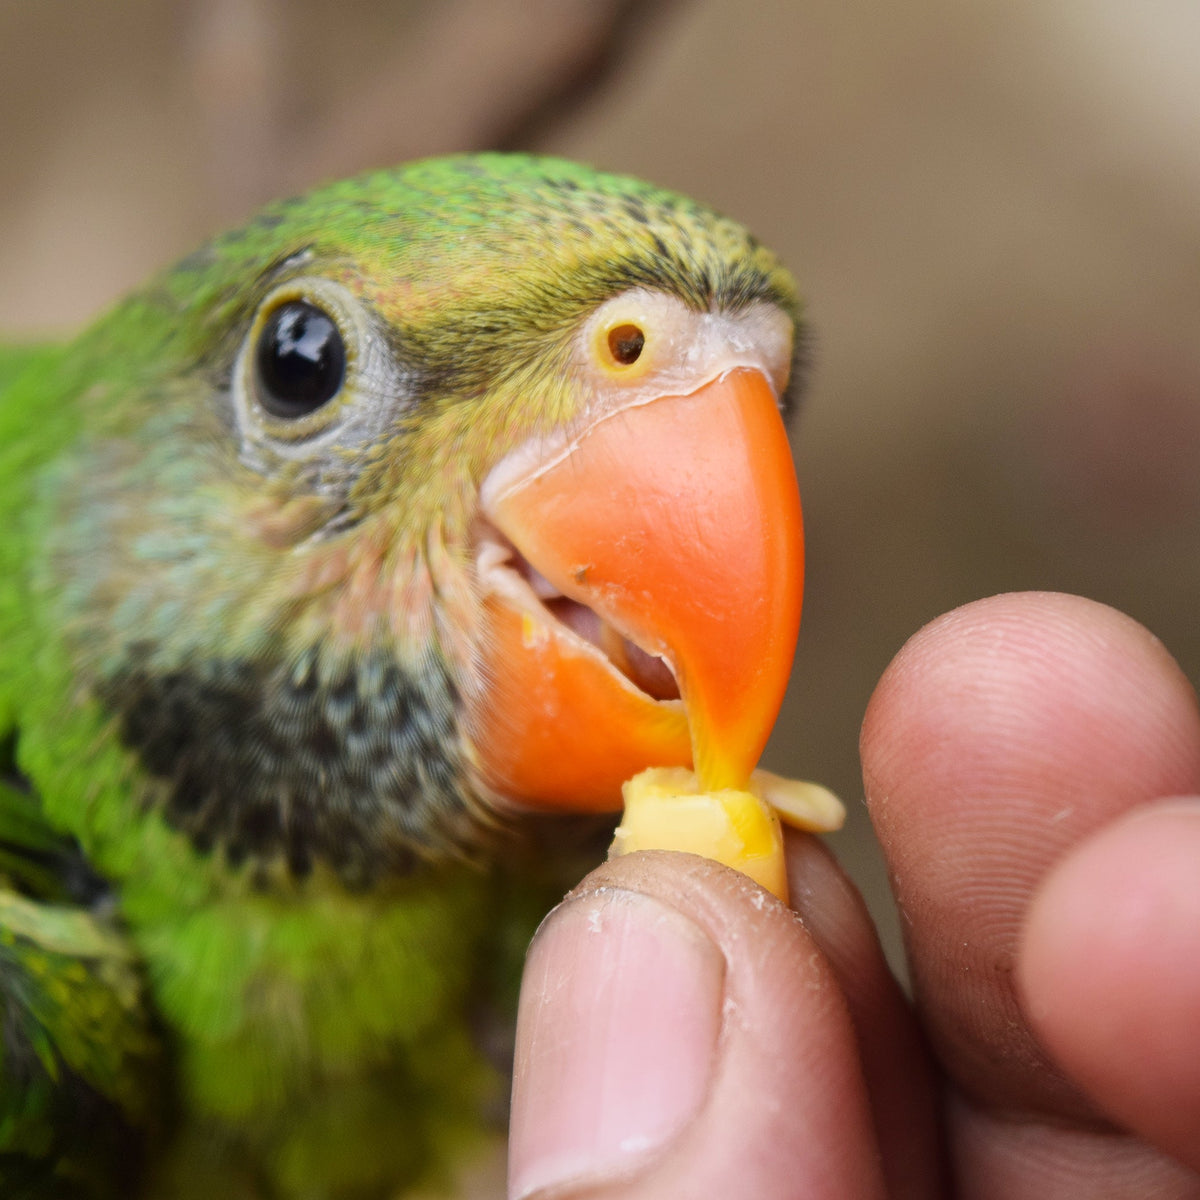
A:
(430, 498)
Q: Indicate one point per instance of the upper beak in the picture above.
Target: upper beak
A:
(673, 525)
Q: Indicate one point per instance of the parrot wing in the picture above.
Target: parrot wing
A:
(79, 1059)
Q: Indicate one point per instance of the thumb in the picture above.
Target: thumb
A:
(680, 1035)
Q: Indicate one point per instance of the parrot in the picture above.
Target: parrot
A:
(348, 568)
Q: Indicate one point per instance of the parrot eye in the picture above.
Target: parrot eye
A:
(300, 360)
(625, 344)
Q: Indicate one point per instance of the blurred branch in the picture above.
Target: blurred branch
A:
(467, 74)
(630, 26)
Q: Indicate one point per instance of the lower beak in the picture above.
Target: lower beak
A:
(666, 530)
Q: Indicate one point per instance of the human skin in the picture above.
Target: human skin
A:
(1032, 765)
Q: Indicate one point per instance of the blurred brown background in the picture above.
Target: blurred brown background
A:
(993, 207)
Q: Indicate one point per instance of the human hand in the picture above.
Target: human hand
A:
(683, 1034)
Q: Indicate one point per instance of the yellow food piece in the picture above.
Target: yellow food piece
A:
(666, 808)
(800, 804)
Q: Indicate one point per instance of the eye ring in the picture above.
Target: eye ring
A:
(299, 359)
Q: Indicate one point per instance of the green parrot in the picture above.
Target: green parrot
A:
(339, 562)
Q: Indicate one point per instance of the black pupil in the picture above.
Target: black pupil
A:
(625, 343)
(301, 360)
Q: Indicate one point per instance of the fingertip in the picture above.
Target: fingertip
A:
(615, 981)
(1021, 656)
(1002, 734)
(1109, 971)
(771, 1098)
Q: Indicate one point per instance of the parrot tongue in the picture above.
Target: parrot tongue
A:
(647, 672)
(641, 583)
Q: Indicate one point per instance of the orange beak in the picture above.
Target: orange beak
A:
(667, 530)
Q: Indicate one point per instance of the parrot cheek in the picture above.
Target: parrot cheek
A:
(641, 598)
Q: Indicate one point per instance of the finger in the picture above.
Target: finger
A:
(679, 1034)
(1001, 736)
(1110, 971)
(894, 1059)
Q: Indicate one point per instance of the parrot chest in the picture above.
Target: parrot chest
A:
(324, 1037)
